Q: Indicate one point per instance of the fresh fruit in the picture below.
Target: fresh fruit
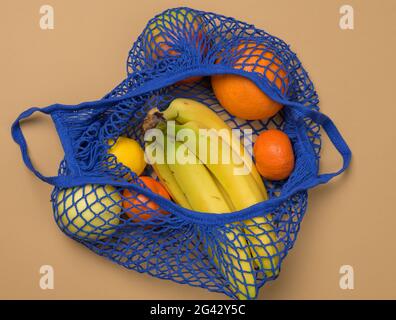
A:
(243, 192)
(274, 155)
(201, 192)
(165, 175)
(166, 30)
(264, 245)
(184, 110)
(90, 211)
(137, 205)
(196, 182)
(203, 195)
(232, 256)
(235, 191)
(129, 153)
(239, 95)
(169, 32)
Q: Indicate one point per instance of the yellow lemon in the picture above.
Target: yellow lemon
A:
(90, 211)
(129, 153)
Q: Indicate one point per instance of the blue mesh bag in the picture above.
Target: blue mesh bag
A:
(233, 253)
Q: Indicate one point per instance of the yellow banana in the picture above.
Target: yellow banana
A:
(184, 110)
(223, 192)
(261, 237)
(197, 184)
(264, 244)
(243, 192)
(236, 192)
(165, 175)
(235, 263)
(203, 195)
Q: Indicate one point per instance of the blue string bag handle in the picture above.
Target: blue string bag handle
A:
(334, 135)
(19, 138)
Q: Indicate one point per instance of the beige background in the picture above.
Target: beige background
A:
(349, 221)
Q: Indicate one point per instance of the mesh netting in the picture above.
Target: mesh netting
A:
(232, 253)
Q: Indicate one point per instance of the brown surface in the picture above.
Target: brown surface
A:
(349, 221)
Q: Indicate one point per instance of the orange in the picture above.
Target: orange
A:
(239, 95)
(135, 204)
(274, 155)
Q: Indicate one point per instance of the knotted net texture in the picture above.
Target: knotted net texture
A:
(232, 253)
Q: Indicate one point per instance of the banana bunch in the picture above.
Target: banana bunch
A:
(204, 185)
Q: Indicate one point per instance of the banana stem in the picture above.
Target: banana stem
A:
(154, 119)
